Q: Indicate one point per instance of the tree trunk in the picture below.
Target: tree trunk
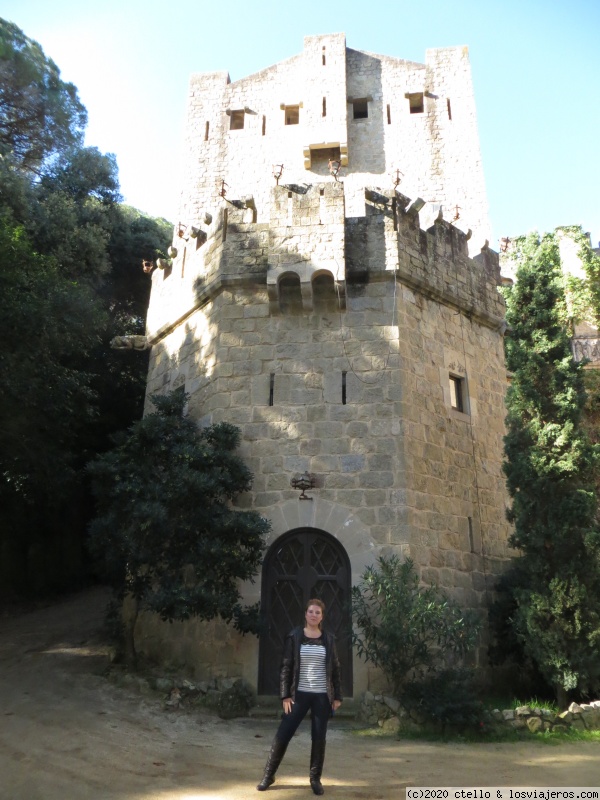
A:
(562, 698)
(129, 615)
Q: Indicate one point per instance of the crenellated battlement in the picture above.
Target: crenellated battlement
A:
(308, 236)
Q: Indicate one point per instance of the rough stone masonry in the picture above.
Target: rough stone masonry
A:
(321, 296)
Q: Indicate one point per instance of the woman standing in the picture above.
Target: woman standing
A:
(309, 679)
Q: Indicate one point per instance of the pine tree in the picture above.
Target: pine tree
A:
(166, 530)
(550, 466)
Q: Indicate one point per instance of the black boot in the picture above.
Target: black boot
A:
(317, 757)
(273, 761)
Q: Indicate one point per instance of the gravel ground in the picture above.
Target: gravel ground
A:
(67, 732)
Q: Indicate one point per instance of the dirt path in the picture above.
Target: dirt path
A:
(66, 732)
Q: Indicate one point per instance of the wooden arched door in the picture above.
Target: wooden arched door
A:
(304, 563)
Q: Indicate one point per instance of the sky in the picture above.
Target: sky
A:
(535, 64)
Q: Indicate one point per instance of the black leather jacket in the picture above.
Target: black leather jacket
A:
(290, 666)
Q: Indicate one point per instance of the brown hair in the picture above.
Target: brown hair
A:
(316, 602)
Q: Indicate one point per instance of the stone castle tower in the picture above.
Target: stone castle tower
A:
(319, 297)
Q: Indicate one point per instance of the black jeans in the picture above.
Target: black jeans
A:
(320, 709)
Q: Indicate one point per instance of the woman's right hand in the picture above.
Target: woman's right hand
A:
(287, 705)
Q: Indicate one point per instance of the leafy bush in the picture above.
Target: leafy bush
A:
(166, 533)
(236, 701)
(445, 697)
(417, 638)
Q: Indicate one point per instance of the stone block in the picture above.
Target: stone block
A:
(535, 724)
(376, 480)
(352, 463)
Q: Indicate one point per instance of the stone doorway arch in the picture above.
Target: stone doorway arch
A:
(300, 564)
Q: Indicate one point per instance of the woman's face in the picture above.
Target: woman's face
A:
(314, 615)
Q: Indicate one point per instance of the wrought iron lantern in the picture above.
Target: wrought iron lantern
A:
(334, 167)
(277, 172)
(303, 482)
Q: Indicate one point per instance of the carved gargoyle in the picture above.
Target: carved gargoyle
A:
(131, 342)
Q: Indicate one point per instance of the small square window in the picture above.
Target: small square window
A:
(416, 102)
(292, 115)
(236, 121)
(458, 399)
(360, 109)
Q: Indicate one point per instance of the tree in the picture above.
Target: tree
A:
(72, 280)
(550, 469)
(49, 324)
(72, 212)
(166, 531)
(40, 115)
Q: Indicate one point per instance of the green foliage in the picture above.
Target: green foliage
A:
(236, 701)
(72, 279)
(414, 635)
(445, 697)
(166, 530)
(48, 323)
(550, 469)
(40, 115)
(583, 295)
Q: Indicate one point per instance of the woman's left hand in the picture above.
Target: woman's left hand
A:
(336, 704)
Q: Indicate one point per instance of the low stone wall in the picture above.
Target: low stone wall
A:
(581, 717)
(229, 697)
(385, 711)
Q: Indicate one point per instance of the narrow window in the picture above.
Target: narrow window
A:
(324, 106)
(321, 192)
(264, 125)
(323, 59)
(415, 102)
(457, 393)
(271, 388)
(389, 115)
(471, 540)
(206, 128)
(236, 121)
(360, 109)
(344, 388)
(292, 115)
(448, 106)
(225, 225)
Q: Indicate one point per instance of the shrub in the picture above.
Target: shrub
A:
(417, 637)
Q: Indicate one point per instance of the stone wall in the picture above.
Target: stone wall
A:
(387, 713)
(398, 311)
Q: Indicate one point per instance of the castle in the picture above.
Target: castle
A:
(320, 295)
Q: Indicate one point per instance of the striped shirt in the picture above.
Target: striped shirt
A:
(313, 673)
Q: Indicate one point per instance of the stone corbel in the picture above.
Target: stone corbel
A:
(307, 156)
(273, 294)
(344, 154)
(306, 290)
(416, 205)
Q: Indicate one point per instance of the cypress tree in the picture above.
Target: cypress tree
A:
(550, 466)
